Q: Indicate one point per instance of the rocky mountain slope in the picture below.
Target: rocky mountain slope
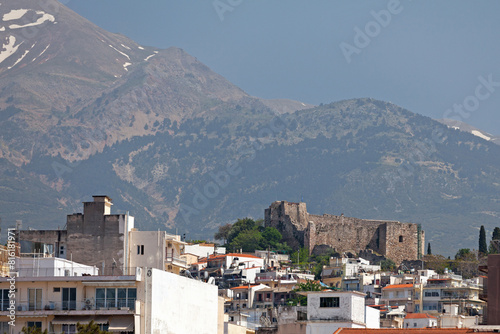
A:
(462, 126)
(84, 112)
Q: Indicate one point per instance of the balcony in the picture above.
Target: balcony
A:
(175, 261)
(87, 307)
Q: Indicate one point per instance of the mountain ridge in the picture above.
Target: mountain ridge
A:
(158, 136)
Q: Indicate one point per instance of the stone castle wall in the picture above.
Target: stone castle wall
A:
(395, 240)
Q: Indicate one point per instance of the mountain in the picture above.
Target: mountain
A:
(458, 125)
(85, 112)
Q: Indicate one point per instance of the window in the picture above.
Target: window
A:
(4, 296)
(140, 249)
(69, 299)
(34, 299)
(400, 238)
(34, 324)
(69, 329)
(115, 297)
(414, 324)
(329, 302)
(4, 327)
(57, 289)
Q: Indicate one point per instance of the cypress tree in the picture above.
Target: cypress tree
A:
(496, 234)
(483, 247)
(429, 251)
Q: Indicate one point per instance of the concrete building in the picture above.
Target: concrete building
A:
(452, 319)
(156, 249)
(149, 302)
(109, 242)
(395, 240)
(326, 311)
(419, 320)
(398, 295)
(96, 229)
(51, 266)
(204, 250)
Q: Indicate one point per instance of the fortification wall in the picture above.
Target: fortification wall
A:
(395, 240)
(343, 233)
(290, 219)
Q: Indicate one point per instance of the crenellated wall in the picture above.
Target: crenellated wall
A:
(395, 240)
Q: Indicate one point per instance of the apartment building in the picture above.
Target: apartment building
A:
(151, 301)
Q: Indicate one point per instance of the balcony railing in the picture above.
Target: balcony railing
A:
(176, 262)
(87, 305)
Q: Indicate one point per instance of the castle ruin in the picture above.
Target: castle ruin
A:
(392, 239)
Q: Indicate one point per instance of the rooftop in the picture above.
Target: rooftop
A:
(398, 286)
(419, 316)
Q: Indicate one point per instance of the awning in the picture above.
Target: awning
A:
(121, 324)
(84, 319)
(232, 272)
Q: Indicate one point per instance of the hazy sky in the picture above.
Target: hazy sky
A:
(426, 55)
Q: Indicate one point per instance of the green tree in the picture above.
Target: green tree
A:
(429, 250)
(241, 225)
(223, 232)
(387, 265)
(301, 256)
(33, 330)
(483, 247)
(247, 241)
(301, 299)
(90, 328)
(496, 234)
(463, 253)
(271, 235)
(437, 263)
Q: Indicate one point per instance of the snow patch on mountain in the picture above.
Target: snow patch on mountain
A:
(2, 29)
(480, 135)
(140, 48)
(14, 14)
(10, 49)
(123, 53)
(41, 53)
(147, 58)
(126, 47)
(126, 65)
(21, 58)
(44, 18)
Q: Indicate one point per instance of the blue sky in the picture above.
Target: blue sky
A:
(426, 56)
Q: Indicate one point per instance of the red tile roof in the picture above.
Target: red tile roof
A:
(242, 255)
(408, 331)
(419, 316)
(222, 256)
(244, 287)
(398, 286)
